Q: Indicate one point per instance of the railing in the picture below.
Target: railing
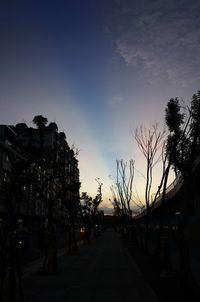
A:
(171, 191)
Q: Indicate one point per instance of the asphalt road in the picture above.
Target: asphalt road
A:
(104, 271)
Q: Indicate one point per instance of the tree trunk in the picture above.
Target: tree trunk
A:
(50, 264)
(147, 231)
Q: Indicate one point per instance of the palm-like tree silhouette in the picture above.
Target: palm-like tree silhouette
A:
(40, 122)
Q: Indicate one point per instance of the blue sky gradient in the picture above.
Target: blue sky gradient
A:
(98, 68)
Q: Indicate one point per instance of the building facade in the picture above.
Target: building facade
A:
(38, 171)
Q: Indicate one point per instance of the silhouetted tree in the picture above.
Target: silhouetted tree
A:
(125, 185)
(86, 210)
(176, 143)
(49, 193)
(91, 216)
(97, 223)
(183, 142)
(150, 142)
(71, 200)
(40, 122)
(183, 146)
(122, 194)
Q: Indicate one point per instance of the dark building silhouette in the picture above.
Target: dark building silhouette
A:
(54, 166)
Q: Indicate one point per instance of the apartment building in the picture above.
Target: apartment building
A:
(41, 168)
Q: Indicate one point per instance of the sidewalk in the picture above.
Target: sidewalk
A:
(102, 272)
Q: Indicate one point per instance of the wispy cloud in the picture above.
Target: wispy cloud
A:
(161, 41)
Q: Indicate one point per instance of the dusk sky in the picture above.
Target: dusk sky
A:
(97, 68)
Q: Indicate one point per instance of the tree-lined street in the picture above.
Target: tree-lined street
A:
(100, 151)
